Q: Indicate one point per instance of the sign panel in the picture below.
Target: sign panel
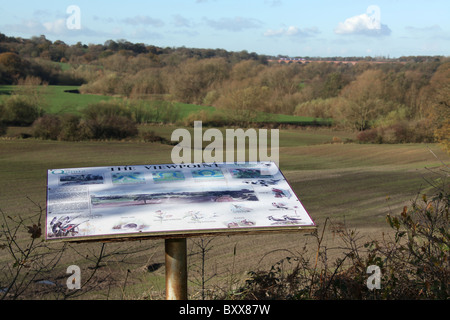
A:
(170, 199)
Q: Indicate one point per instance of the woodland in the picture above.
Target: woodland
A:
(386, 100)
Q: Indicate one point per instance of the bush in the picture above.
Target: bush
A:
(317, 108)
(399, 132)
(419, 266)
(47, 127)
(107, 85)
(413, 264)
(106, 109)
(216, 119)
(20, 111)
(369, 136)
(442, 135)
(3, 128)
(72, 128)
(141, 112)
(151, 136)
(111, 127)
(109, 120)
(155, 111)
(423, 131)
(105, 120)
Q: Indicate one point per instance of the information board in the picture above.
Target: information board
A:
(170, 199)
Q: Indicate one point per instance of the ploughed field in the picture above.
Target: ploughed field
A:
(351, 183)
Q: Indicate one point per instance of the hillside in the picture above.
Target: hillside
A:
(400, 100)
(363, 143)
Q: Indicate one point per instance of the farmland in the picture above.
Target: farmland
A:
(347, 182)
(359, 143)
(59, 100)
(335, 178)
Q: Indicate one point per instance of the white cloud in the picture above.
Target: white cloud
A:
(181, 21)
(233, 24)
(26, 26)
(142, 33)
(56, 27)
(432, 32)
(292, 31)
(272, 33)
(143, 20)
(368, 23)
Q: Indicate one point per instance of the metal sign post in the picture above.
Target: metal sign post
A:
(176, 269)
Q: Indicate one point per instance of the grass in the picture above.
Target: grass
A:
(60, 102)
(64, 66)
(296, 120)
(57, 100)
(187, 109)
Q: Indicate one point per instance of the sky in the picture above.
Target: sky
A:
(315, 28)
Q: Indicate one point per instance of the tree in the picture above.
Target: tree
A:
(365, 99)
(245, 69)
(11, 65)
(334, 83)
(10, 60)
(439, 91)
(242, 105)
(191, 81)
(442, 135)
(147, 82)
(439, 111)
(281, 79)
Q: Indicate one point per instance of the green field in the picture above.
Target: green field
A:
(57, 100)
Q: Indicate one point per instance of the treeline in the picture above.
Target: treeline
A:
(400, 100)
(358, 97)
(41, 57)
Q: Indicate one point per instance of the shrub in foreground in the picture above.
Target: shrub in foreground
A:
(414, 263)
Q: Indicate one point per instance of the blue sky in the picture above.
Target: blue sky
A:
(319, 28)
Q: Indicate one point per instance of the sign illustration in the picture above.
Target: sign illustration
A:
(148, 200)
